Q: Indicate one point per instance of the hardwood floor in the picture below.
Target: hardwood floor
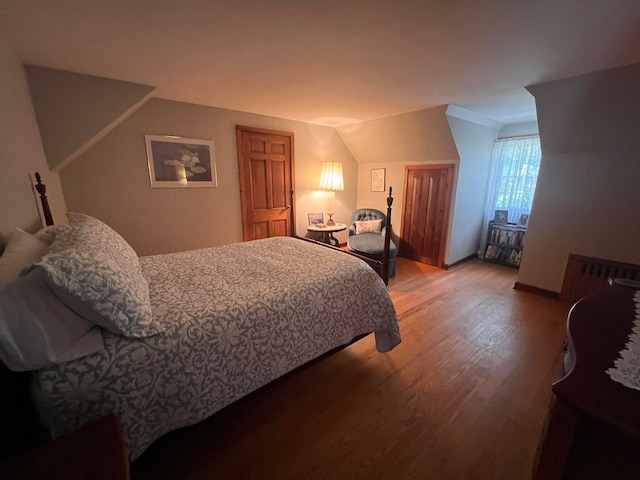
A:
(463, 396)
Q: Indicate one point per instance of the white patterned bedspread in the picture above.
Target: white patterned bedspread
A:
(236, 317)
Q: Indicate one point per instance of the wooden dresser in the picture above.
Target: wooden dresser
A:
(593, 428)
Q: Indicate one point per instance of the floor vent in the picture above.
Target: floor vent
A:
(587, 275)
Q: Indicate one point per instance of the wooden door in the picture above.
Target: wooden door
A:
(265, 160)
(425, 213)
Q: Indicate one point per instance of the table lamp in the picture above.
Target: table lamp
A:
(331, 181)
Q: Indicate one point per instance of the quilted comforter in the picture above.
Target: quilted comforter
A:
(235, 318)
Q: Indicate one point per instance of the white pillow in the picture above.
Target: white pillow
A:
(92, 269)
(368, 226)
(38, 330)
(48, 234)
(22, 251)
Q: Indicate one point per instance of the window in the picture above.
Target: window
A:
(512, 182)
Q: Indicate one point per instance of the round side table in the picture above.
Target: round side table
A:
(328, 231)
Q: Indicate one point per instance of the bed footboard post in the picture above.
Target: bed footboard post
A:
(387, 241)
(42, 190)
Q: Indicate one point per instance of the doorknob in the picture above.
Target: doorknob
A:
(288, 207)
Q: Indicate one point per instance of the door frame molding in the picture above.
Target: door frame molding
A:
(431, 166)
(240, 153)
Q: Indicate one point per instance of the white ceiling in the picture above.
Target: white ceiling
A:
(330, 61)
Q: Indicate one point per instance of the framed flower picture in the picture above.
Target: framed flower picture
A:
(178, 162)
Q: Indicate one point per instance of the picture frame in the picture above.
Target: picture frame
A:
(315, 219)
(524, 220)
(501, 217)
(377, 179)
(180, 162)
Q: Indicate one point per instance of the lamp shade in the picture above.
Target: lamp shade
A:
(331, 177)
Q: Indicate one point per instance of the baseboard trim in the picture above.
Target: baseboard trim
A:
(542, 292)
(459, 262)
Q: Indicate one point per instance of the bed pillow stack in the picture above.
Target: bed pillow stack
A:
(93, 270)
(36, 328)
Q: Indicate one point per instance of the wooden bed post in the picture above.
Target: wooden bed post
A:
(42, 190)
(387, 241)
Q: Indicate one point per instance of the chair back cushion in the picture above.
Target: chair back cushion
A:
(365, 215)
(368, 226)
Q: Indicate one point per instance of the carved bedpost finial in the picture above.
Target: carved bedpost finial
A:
(40, 187)
(390, 198)
(42, 190)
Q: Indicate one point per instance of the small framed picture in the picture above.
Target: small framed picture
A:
(524, 220)
(178, 162)
(316, 218)
(501, 216)
(377, 179)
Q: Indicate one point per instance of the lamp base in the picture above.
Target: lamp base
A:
(330, 222)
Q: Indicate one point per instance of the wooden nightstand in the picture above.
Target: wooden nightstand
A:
(95, 451)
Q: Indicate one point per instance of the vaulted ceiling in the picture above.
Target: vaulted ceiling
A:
(332, 62)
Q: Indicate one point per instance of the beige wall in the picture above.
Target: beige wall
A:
(475, 146)
(392, 143)
(21, 153)
(587, 195)
(111, 179)
(75, 110)
(415, 137)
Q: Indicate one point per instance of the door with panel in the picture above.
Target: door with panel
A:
(266, 164)
(427, 194)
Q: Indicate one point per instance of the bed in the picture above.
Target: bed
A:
(210, 326)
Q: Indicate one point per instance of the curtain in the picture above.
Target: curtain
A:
(512, 182)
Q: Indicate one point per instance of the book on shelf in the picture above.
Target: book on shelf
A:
(506, 237)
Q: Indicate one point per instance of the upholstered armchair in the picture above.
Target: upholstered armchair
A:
(367, 228)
